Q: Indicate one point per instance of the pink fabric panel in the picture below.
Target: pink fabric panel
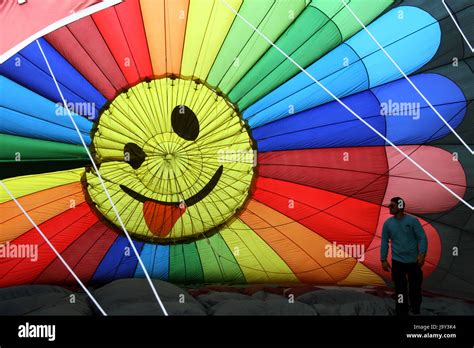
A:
(19, 22)
(421, 193)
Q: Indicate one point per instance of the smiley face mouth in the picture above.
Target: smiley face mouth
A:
(160, 216)
(196, 198)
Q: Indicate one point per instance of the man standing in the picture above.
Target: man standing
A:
(409, 246)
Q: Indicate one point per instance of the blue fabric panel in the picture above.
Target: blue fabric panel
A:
(329, 125)
(410, 36)
(115, 264)
(15, 123)
(301, 93)
(128, 264)
(107, 268)
(29, 69)
(25, 113)
(156, 260)
(410, 46)
(410, 120)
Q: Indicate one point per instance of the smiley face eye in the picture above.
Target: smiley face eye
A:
(134, 155)
(185, 122)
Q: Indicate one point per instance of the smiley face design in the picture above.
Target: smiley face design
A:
(175, 157)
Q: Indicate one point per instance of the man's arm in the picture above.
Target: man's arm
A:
(384, 248)
(422, 241)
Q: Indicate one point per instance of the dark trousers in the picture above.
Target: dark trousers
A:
(407, 278)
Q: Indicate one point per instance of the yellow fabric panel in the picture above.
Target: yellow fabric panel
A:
(142, 116)
(197, 218)
(152, 117)
(361, 275)
(208, 24)
(41, 206)
(259, 263)
(25, 185)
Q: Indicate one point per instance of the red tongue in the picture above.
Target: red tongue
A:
(161, 218)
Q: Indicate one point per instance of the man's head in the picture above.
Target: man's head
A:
(396, 205)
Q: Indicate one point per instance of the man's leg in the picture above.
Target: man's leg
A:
(415, 279)
(399, 277)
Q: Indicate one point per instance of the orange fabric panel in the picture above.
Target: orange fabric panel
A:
(165, 26)
(41, 206)
(302, 249)
(361, 275)
(61, 231)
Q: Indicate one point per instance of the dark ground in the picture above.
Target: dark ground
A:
(134, 297)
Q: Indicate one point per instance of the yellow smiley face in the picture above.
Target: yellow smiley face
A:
(175, 157)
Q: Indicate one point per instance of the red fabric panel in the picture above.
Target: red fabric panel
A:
(66, 44)
(90, 41)
(87, 33)
(360, 172)
(372, 254)
(83, 256)
(61, 230)
(19, 22)
(86, 268)
(337, 218)
(122, 28)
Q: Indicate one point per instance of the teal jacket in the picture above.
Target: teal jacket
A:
(407, 236)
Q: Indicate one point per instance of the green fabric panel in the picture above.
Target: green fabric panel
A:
(38, 150)
(185, 264)
(314, 33)
(243, 47)
(311, 27)
(177, 268)
(218, 262)
(329, 7)
(366, 10)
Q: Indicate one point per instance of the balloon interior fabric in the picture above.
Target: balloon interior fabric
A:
(26, 25)
(224, 161)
